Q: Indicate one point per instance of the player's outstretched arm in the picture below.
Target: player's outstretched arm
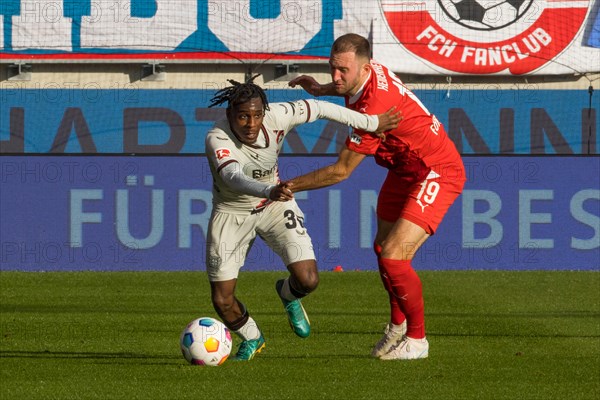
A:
(311, 86)
(369, 123)
(234, 178)
(347, 161)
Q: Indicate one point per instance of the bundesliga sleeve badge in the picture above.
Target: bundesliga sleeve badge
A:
(222, 153)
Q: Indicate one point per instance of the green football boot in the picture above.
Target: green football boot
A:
(249, 348)
(295, 312)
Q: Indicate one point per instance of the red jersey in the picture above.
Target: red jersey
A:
(418, 145)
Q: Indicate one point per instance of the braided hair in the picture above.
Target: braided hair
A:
(240, 93)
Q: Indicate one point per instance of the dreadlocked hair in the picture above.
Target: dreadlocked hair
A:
(240, 93)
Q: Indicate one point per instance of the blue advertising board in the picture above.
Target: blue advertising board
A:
(109, 212)
(131, 120)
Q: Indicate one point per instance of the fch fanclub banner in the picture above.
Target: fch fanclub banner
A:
(425, 37)
(152, 213)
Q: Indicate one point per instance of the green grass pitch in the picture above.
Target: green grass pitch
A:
(493, 335)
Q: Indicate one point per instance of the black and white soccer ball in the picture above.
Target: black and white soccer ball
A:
(485, 15)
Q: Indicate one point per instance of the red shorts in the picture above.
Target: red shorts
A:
(424, 203)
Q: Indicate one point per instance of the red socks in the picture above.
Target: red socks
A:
(406, 295)
(396, 315)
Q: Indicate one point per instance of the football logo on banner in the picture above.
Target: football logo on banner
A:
(486, 36)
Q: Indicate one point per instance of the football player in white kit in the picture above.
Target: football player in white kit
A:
(250, 200)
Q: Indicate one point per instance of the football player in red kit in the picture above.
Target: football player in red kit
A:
(425, 176)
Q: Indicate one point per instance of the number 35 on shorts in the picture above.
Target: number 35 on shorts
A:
(293, 221)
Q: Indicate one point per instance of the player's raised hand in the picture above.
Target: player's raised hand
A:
(387, 121)
(307, 83)
(281, 192)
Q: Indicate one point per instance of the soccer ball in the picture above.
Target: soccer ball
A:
(205, 341)
(485, 15)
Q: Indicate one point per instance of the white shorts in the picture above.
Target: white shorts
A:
(230, 237)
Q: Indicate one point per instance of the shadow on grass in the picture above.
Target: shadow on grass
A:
(146, 359)
(83, 355)
(433, 333)
(328, 356)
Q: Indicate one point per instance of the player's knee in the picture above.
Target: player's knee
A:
(307, 281)
(398, 251)
(310, 282)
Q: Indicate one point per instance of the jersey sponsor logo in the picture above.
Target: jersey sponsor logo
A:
(483, 37)
(222, 153)
(262, 173)
(355, 138)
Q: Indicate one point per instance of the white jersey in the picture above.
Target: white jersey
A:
(258, 161)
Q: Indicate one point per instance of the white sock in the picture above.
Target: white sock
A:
(249, 331)
(395, 328)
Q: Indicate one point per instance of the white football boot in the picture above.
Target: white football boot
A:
(408, 349)
(391, 336)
